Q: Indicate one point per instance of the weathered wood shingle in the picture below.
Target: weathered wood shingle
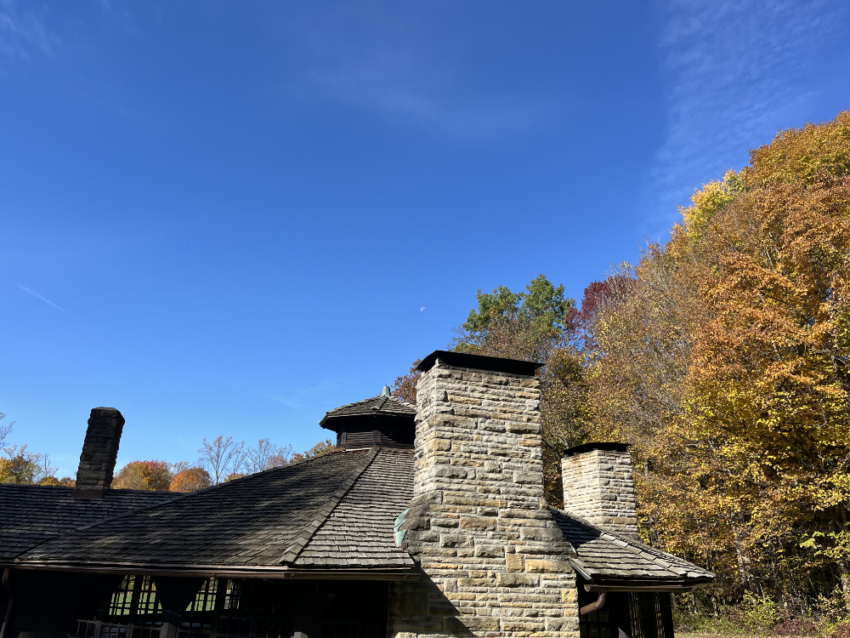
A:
(604, 556)
(382, 405)
(344, 502)
(359, 531)
(33, 514)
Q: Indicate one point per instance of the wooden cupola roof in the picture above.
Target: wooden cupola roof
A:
(382, 420)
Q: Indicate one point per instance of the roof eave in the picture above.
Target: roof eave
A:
(646, 585)
(599, 582)
(222, 571)
(333, 417)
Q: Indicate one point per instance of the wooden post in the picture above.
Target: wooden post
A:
(10, 605)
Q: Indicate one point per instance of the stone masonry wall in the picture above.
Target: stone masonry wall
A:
(493, 561)
(100, 450)
(598, 487)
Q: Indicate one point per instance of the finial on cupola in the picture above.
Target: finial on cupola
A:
(386, 391)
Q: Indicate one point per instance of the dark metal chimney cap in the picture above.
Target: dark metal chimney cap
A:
(479, 362)
(589, 447)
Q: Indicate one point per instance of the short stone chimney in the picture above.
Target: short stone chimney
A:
(100, 450)
(598, 487)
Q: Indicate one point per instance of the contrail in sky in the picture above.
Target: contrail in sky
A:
(44, 299)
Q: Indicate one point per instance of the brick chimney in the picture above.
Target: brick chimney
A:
(100, 449)
(598, 486)
(493, 560)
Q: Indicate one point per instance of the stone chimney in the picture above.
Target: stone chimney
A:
(492, 558)
(100, 449)
(598, 486)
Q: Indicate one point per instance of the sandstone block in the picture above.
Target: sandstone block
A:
(516, 580)
(543, 534)
(489, 551)
(476, 623)
(514, 562)
(538, 566)
(475, 523)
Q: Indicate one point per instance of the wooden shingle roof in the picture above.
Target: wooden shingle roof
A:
(604, 558)
(380, 405)
(305, 515)
(33, 514)
(319, 518)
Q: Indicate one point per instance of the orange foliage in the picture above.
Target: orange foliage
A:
(726, 363)
(190, 480)
(143, 475)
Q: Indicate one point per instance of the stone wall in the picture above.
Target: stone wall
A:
(100, 450)
(493, 561)
(598, 487)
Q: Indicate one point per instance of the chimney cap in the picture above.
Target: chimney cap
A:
(479, 362)
(601, 445)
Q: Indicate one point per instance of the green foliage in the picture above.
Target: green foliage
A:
(537, 324)
(724, 623)
(759, 614)
(520, 325)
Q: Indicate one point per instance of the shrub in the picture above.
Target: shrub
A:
(841, 630)
(759, 613)
(795, 627)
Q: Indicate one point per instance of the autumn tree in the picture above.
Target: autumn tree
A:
(723, 358)
(143, 475)
(190, 480)
(24, 468)
(404, 386)
(322, 447)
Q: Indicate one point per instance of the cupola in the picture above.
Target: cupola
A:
(382, 420)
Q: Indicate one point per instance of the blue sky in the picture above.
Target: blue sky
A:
(230, 217)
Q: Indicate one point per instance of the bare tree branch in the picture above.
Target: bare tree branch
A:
(222, 457)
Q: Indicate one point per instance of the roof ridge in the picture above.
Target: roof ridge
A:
(352, 404)
(400, 400)
(291, 553)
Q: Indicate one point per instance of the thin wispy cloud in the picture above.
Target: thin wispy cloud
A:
(384, 66)
(737, 73)
(400, 91)
(302, 398)
(42, 297)
(24, 32)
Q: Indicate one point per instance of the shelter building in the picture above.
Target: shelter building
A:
(427, 520)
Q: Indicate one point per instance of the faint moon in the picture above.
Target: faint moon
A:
(422, 309)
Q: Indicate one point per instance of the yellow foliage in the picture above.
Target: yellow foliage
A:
(726, 363)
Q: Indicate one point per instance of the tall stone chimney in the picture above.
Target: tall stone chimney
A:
(493, 560)
(100, 449)
(598, 486)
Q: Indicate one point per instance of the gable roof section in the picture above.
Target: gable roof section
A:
(33, 514)
(605, 559)
(391, 406)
